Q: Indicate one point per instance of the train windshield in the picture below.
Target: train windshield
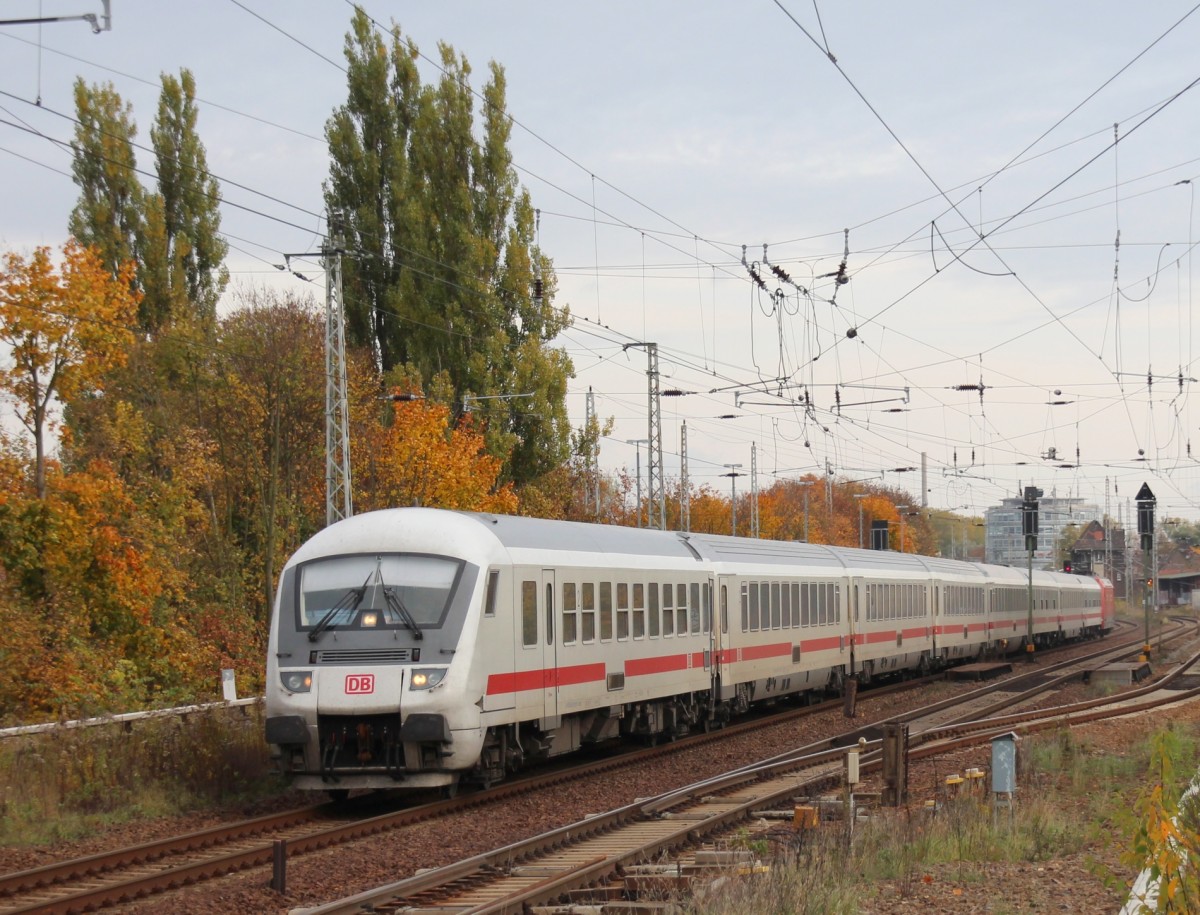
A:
(376, 592)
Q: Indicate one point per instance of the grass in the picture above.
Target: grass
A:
(1071, 798)
(69, 783)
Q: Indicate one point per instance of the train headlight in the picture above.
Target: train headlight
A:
(426, 677)
(369, 619)
(296, 681)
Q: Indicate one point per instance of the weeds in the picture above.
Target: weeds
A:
(67, 783)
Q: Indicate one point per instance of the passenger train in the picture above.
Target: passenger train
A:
(418, 647)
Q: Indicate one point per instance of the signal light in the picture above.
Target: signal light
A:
(1067, 566)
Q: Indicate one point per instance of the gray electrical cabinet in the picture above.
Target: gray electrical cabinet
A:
(1004, 763)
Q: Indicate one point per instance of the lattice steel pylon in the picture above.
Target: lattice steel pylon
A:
(339, 502)
(658, 495)
(685, 494)
(591, 483)
(657, 499)
(753, 489)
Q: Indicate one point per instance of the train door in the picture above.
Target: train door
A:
(549, 646)
(723, 654)
(855, 609)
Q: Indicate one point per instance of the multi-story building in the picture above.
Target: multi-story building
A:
(1006, 542)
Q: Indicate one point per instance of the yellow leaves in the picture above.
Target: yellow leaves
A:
(66, 326)
(420, 460)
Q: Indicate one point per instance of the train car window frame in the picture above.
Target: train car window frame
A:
(822, 609)
(776, 620)
(707, 606)
(785, 595)
(622, 611)
(529, 621)
(805, 615)
(652, 611)
(570, 617)
(764, 606)
(491, 593)
(745, 606)
(754, 592)
(606, 611)
(694, 607)
(587, 612)
(681, 609)
(724, 607)
(668, 610)
(639, 610)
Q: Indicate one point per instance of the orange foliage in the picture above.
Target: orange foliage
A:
(419, 460)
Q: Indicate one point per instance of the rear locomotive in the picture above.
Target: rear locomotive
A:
(371, 646)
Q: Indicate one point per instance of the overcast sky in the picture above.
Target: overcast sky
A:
(967, 148)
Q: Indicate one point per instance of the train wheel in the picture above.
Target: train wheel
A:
(339, 795)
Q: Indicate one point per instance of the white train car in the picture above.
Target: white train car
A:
(415, 647)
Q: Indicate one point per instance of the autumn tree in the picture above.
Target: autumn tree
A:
(108, 215)
(184, 252)
(173, 233)
(447, 275)
(419, 457)
(67, 328)
(267, 422)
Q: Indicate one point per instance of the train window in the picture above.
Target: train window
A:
(529, 613)
(570, 618)
(653, 612)
(724, 608)
(588, 616)
(708, 621)
(681, 613)
(822, 608)
(753, 606)
(622, 610)
(764, 605)
(493, 587)
(785, 602)
(805, 614)
(835, 602)
(549, 613)
(668, 617)
(694, 606)
(775, 615)
(606, 610)
(795, 605)
(639, 611)
(423, 584)
(745, 607)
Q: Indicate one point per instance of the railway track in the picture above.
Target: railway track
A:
(598, 859)
(87, 884)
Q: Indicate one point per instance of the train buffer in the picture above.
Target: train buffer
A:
(985, 670)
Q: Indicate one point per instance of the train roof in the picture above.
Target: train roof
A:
(365, 532)
(518, 532)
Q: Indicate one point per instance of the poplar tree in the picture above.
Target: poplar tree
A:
(443, 275)
(108, 215)
(184, 252)
(173, 233)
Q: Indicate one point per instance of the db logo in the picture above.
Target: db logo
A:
(360, 684)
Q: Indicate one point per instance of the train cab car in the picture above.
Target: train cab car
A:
(374, 629)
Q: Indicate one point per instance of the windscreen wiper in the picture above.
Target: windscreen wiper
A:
(347, 603)
(397, 605)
